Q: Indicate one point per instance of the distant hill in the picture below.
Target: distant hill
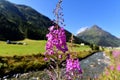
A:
(98, 36)
(18, 22)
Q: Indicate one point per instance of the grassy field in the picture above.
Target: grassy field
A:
(32, 47)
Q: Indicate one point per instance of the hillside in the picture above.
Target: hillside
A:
(18, 22)
(98, 36)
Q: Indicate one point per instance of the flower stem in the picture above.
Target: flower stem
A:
(57, 66)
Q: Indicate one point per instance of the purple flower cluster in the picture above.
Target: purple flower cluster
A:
(73, 69)
(56, 38)
(72, 65)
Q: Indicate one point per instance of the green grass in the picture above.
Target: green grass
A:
(78, 48)
(32, 47)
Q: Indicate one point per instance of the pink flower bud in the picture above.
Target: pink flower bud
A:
(45, 58)
(60, 56)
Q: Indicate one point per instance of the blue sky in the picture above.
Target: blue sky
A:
(79, 14)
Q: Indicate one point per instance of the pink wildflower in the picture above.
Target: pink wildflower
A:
(116, 53)
(73, 65)
(118, 67)
(69, 65)
(45, 59)
(73, 68)
(111, 67)
(56, 38)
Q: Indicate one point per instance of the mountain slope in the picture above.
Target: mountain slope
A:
(98, 36)
(8, 29)
(25, 20)
(18, 22)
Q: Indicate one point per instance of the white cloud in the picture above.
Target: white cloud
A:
(81, 29)
(118, 37)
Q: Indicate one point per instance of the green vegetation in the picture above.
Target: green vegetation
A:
(112, 72)
(20, 64)
(25, 63)
(31, 47)
(16, 58)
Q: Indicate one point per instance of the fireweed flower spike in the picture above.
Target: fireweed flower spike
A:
(56, 38)
(56, 42)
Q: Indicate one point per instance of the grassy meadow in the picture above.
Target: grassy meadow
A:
(31, 47)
